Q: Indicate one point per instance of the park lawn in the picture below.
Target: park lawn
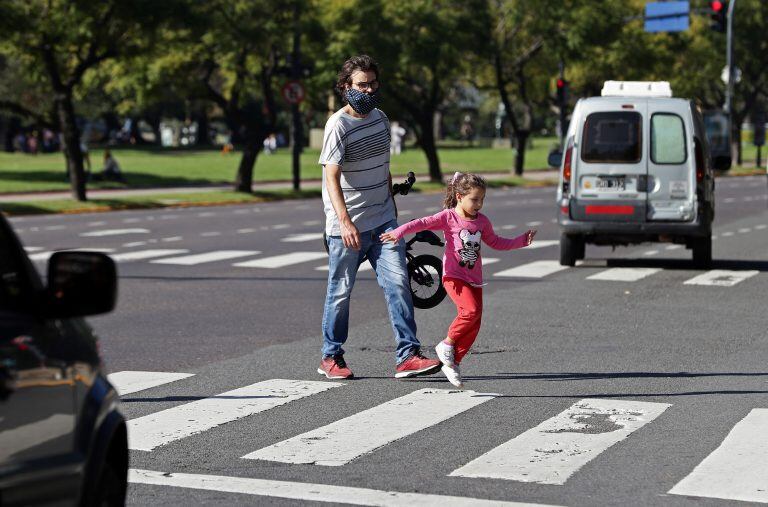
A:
(21, 172)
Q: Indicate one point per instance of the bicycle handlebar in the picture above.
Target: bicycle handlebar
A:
(404, 187)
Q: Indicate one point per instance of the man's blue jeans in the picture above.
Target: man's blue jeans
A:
(388, 261)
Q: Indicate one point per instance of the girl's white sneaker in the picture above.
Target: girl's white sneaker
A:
(453, 375)
(444, 353)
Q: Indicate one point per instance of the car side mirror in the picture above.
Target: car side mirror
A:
(80, 284)
(555, 158)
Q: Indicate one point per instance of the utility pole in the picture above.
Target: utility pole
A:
(731, 74)
(296, 71)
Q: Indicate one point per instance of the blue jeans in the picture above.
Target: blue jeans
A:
(388, 261)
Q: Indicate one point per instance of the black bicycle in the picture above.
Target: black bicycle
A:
(425, 271)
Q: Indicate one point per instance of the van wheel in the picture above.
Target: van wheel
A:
(569, 249)
(702, 252)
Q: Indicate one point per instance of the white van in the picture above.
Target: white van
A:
(636, 168)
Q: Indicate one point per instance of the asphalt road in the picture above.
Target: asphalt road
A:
(597, 391)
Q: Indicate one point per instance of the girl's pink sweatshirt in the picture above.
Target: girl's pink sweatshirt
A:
(462, 258)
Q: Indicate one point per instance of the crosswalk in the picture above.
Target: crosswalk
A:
(550, 453)
(253, 259)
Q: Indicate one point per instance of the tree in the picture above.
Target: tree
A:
(422, 47)
(56, 42)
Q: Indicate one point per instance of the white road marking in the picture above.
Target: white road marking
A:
(127, 382)
(281, 226)
(650, 252)
(95, 224)
(536, 269)
(218, 255)
(30, 249)
(207, 214)
(168, 217)
(736, 470)
(673, 247)
(145, 254)
(761, 227)
(131, 220)
(310, 492)
(507, 227)
(134, 243)
(171, 239)
(298, 238)
(281, 261)
(210, 234)
(54, 227)
(340, 442)
(544, 243)
(533, 224)
(721, 278)
(729, 200)
(432, 209)
(490, 260)
(245, 231)
(745, 230)
(405, 212)
(727, 234)
(624, 274)
(114, 232)
(310, 223)
(161, 428)
(557, 448)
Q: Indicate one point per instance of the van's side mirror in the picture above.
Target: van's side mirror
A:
(80, 284)
(721, 162)
(555, 158)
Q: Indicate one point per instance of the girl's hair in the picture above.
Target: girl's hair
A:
(462, 184)
(361, 62)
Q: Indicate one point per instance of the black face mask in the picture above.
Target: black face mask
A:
(361, 102)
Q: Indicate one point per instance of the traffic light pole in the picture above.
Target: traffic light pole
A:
(297, 130)
(731, 73)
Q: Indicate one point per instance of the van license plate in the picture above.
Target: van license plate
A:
(618, 184)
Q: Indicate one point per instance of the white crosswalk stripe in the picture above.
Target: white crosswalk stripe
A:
(218, 255)
(161, 428)
(146, 254)
(281, 261)
(342, 441)
(44, 256)
(536, 269)
(127, 382)
(737, 469)
(310, 492)
(721, 278)
(555, 449)
(114, 232)
(624, 274)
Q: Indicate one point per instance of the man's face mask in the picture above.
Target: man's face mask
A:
(362, 102)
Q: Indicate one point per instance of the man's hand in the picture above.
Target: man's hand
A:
(350, 235)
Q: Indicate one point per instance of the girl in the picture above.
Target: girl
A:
(464, 227)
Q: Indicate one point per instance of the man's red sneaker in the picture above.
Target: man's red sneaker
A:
(334, 368)
(417, 364)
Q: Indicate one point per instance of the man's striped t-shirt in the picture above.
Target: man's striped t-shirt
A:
(361, 147)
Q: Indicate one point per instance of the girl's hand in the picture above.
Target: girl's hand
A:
(529, 236)
(388, 236)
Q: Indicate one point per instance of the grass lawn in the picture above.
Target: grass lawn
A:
(176, 167)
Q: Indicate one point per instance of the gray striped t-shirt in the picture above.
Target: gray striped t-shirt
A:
(361, 147)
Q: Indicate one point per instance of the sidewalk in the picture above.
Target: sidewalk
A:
(305, 184)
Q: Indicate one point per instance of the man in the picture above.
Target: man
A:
(359, 207)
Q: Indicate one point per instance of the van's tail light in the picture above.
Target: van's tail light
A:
(567, 167)
(700, 168)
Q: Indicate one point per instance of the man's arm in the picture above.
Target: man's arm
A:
(349, 233)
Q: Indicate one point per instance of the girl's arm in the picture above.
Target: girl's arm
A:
(499, 243)
(431, 223)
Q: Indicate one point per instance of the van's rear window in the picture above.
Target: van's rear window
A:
(612, 137)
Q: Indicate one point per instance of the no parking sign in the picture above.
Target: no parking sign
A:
(293, 92)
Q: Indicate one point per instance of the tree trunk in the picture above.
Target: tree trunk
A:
(427, 142)
(251, 148)
(72, 152)
(521, 140)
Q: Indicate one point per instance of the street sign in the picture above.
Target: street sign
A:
(667, 16)
(293, 92)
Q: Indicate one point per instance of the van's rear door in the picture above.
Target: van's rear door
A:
(671, 162)
(611, 171)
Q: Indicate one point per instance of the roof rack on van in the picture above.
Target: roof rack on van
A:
(636, 89)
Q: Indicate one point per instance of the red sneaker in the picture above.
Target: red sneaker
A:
(334, 368)
(417, 364)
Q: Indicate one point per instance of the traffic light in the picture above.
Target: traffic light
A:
(719, 15)
(562, 92)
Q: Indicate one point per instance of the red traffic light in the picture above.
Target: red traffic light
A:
(560, 83)
(716, 6)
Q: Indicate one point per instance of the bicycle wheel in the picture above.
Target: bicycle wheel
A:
(425, 273)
